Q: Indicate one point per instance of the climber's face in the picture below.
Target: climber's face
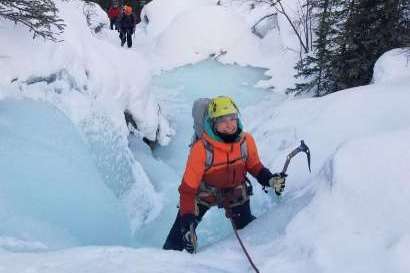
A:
(227, 124)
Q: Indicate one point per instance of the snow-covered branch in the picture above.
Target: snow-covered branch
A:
(40, 16)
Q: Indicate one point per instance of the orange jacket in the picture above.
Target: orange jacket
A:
(228, 168)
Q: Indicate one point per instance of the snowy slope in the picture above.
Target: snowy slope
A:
(358, 191)
(349, 215)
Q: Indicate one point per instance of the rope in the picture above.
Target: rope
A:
(229, 214)
(243, 247)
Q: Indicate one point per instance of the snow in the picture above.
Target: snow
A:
(92, 79)
(83, 78)
(356, 217)
(392, 65)
(222, 32)
(227, 32)
(161, 13)
(99, 71)
(348, 215)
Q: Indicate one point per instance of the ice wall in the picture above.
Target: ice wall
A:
(51, 194)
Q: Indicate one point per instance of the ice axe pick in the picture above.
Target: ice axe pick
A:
(301, 148)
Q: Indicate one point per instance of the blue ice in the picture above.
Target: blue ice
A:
(50, 190)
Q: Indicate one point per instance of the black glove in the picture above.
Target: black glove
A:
(277, 182)
(189, 239)
(263, 177)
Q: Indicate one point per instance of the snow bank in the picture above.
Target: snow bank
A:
(196, 34)
(115, 259)
(116, 78)
(161, 13)
(357, 220)
(392, 65)
(255, 10)
(354, 218)
(327, 122)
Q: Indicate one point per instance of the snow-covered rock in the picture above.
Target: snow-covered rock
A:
(392, 65)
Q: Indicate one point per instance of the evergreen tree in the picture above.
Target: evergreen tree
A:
(373, 27)
(316, 68)
(404, 23)
(351, 36)
(40, 16)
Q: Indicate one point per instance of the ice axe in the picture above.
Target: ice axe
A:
(301, 148)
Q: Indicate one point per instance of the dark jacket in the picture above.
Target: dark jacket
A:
(127, 22)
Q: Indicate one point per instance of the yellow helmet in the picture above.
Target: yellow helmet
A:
(221, 106)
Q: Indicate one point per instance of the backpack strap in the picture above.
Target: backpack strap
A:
(244, 149)
(209, 154)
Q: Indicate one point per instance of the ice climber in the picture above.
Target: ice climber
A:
(113, 14)
(215, 174)
(126, 25)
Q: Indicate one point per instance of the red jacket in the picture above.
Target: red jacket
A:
(114, 12)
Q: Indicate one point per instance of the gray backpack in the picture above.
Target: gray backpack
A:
(199, 113)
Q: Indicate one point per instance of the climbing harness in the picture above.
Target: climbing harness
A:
(209, 196)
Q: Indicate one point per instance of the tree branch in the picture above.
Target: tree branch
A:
(40, 16)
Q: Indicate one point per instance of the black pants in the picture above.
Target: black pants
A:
(126, 36)
(241, 217)
(113, 23)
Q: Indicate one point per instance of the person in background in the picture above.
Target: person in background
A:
(113, 13)
(126, 25)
